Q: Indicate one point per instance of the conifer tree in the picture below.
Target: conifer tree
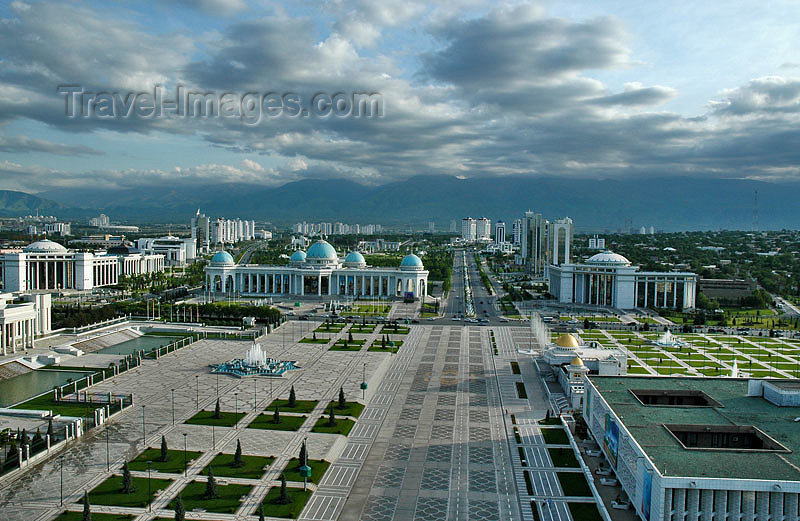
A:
(87, 509)
(211, 486)
(292, 399)
(276, 416)
(303, 458)
(217, 411)
(164, 449)
(342, 401)
(284, 499)
(180, 511)
(128, 487)
(237, 456)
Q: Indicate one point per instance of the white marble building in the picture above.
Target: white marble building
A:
(319, 272)
(609, 279)
(22, 320)
(48, 266)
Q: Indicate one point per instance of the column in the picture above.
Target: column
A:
(319, 285)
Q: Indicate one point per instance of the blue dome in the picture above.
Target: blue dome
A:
(321, 250)
(222, 258)
(298, 256)
(411, 261)
(355, 258)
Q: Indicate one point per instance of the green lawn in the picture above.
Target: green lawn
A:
(343, 426)
(553, 420)
(340, 345)
(390, 330)
(362, 328)
(332, 328)
(227, 503)
(254, 466)
(376, 346)
(301, 406)
(562, 457)
(299, 499)
(226, 419)
(46, 403)
(555, 436)
(573, 484)
(173, 465)
(288, 423)
(78, 516)
(584, 511)
(310, 340)
(318, 468)
(351, 409)
(109, 492)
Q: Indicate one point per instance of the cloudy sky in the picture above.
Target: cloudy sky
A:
(596, 88)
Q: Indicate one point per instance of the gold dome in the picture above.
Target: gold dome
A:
(577, 362)
(567, 340)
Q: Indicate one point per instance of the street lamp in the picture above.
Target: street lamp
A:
(255, 393)
(217, 385)
(173, 406)
(363, 381)
(108, 459)
(236, 401)
(213, 438)
(144, 432)
(197, 391)
(61, 458)
(184, 455)
(149, 498)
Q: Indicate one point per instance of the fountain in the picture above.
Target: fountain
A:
(255, 363)
(540, 335)
(670, 340)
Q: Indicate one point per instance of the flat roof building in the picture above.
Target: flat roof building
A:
(700, 448)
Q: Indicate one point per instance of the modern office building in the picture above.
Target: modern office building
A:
(516, 230)
(499, 233)
(22, 319)
(318, 272)
(177, 251)
(534, 243)
(48, 266)
(687, 448)
(597, 243)
(469, 230)
(609, 279)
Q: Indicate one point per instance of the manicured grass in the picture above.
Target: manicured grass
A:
(515, 368)
(288, 423)
(291, 510)
(584, 511)
(78, 516)
(391, 330)
(365, 328)
(351, 409)
(555, 436)
(563, 457)
(46, 403)
(109, 492)
(310, 340)
(226, 419)
(228, 501)
(340, 345)
(553, 420)
(301, 406)
(333, 328)
(318, 468)
(574, 484)
(521, 392)
(253, 468)
(343, 426)
(173, 465)
(376, 346)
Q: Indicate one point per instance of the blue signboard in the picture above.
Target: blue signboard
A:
(611, 440)
(647, 492)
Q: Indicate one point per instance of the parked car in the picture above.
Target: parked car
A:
(609, 482)
(621, 505)
(603, 471)
(595, 453)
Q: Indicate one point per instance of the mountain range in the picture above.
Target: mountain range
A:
(667, 203)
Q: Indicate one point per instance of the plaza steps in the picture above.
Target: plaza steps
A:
(107, 340)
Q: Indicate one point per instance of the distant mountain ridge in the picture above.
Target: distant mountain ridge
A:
(668, 203)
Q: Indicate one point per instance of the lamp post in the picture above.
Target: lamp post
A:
(61, 458)
(173, 406)
(197, 391)
(144, 432)
(108, 459)
(184, 455)
(217, 385)
(149, 499)
(363, 381)
(236, 406)
(213, 438)
(255, 394)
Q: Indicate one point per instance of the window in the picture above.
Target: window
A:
(725, 437)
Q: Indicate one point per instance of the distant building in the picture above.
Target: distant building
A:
(318, 272)
(378, 245)
(597, 243)
(60, 229)
(101, 221)
(453, 226)
(700, 448)
(48, 266)
(516, 229)
(468, 229)
(101, 241)
(431, 227)
(726, 289)
(177, 251)
(499, 232)
(483, 229)
(609, 279)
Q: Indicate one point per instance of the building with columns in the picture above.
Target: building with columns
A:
(609, 279)
(22, 319)
(318, 273)
(48, 266)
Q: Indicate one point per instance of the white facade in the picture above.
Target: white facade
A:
(499, 232)
(48, 266)
(319, 273)
(608, 279)
(469, 230)
(22, 321)
(483, 229)
(597, 243)
(177, 251)
(61, 229)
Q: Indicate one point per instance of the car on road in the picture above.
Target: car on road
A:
(456, 319)
(302, 317)
(430, 319)
(503, 320)
(290, 314)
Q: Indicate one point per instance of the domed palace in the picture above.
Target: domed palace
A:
(318, 272)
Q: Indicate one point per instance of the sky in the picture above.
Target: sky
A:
(596, 89)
